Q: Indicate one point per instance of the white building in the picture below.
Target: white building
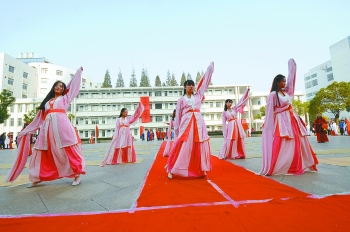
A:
(336, 69)
(17, 77)
(102, 106)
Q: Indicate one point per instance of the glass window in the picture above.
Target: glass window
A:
(211, 104)
(218, 92)
(24, 96)
(24, 86)
(127, 94)
(86, 134)
(103, 120)
(43, 90)
(103, 133)
(311, 84)
(159, 118)
(44, 70)
(166, 105)
(230, 91)
(10, 81)
(218, 104)
(218, 116)
(5, 123)
(12, 108)
(158, 93)
(212, 117)
(59, 73)
(12, 122)
(71, 76)
(20, 108)
(86, 121)
(109, 107)
(114, 107)
(165, 93)
(11, 69)
(150, 94)
(19, 122)
(135, 131)
(258, 102)
(94, 121)
(330, 77)
(329, 69)
(158, 105)
(25, 75)
(94, 95)
(44, 80)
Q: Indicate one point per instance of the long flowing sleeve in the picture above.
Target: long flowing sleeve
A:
(73, 87)
(268, 132)
(206, 80)
(133, 118)
(292, 68)
(239, 107)
(177, 117)
(115, 137)
(223, 118)
(23, 141)
(169, 129)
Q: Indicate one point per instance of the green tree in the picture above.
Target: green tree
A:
(107, 80)
(198, 77)
(6, 100)
(158, 82)
(133, 80)
(262, 111)
(301, 108)
(120, 80)
(71, 117)
(168, 79)
(183, 79)
(28, 118)
(173, 81)
(163, 84)
(144, 82)
(332, 99)
(189, 77)
(257, 116)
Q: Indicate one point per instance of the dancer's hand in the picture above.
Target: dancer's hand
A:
(81, 68)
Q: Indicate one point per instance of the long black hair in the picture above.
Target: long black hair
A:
(173, 116)
(275, 86)
(188, 82)
(227, 100)
(122, 111)
(51, 94)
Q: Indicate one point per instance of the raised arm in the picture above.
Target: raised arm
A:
(178, 115)
(133, 118)
(206, 80)
(34, 125)
(223, 118)
(73, 87)
(239, 107)
(292, 68)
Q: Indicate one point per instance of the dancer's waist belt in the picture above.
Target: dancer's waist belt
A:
(192, 111)
(124, 126)
(55, 111)
(231, 119)
(282, 109)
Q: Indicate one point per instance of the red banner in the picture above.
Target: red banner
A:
(142, 129)
(244, 124)
(146, 115)
(96, 132)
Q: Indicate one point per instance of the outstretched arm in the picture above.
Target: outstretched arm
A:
(239, 107)
(292, 68)
(73, 87)
(204, 84)
(137, 114)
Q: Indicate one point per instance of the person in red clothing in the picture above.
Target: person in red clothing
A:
(320, 126)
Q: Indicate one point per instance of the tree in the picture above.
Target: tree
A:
(107, 80)
(6, 100)
(163, 84)
(198, 77)
(183, 79)
(133, 80)
(71, 117)
(168, 78)
(144, 82)
(120, 80)
(28, 118)
(262, 111)
(189, 77)
(332, 99)
(257, 116)
(301, 108)
(158, 82)
(173, 81)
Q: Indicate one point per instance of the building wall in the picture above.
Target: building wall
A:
(17, 77)
(340, 56)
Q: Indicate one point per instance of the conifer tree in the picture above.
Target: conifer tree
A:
(120, 80)
(183, 78)
(168, 79)
(157, 83)
(189, 77)
(144, 82)
(133, 80)
(107, 81)
(173, 81)
(198, 77)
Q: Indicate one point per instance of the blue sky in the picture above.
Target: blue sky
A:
(249, 41)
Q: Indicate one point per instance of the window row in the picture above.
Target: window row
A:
(310, 77)
(311, 84)
(12, 122)
(12, 70)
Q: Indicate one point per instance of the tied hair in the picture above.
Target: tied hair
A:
(51, 94)
(275, 87)
(121, 112)
(227, 100)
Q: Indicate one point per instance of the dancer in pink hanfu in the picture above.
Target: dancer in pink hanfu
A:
(169, 143)
(233, 132)
(122, 148)
(286, 149)
(57, 152)
(190, 155)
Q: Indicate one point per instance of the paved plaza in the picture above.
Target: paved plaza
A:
(117, 187)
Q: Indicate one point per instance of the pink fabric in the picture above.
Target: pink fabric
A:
(122, 138)
(169, 142)
(285, 145)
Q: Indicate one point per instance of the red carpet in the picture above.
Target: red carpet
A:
(297, 213)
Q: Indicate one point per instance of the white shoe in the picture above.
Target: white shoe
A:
(33, 184)
(76, 181)
(170, 176)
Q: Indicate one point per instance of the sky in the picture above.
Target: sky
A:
(250, 42)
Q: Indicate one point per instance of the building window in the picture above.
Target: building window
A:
(86, 134)
(44, 70)
(158, 105)
(86, 121)
(12, 108)
(20, 108)
(94, 108)
(258, 102)
(5, 123)
(159, 118)
(127, 94)
(59, 73)
(24, 86)
(10, 81)
(329, 69)
(94, 121)
(43, 90)
(19, 122)
(11, 69)
(330, 77)
(211, 104)
(217, 92)
(311, 84)
(212, 117)
(27, 108)
(12, 122)
(25, 75)
(71, 76)
(158, 93)
(24, 96)
(218, 116)
(90, 84)
(218, 104)
(103, 133)
(43, 80)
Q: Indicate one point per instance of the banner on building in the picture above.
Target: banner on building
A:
(146, 115)
(96, 133)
